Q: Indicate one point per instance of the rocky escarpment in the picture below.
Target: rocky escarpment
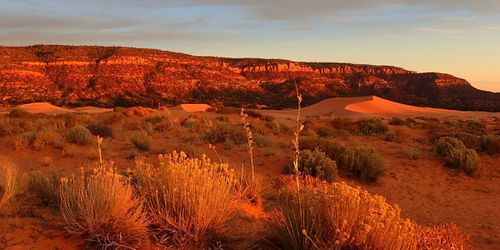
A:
(109, 76)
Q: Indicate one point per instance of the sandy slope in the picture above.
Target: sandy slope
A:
(373, 106)
(47, 108)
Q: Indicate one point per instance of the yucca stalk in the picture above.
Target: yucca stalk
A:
(295, 141)
(250, 141)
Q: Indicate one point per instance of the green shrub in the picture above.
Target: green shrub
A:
(142, 140)
(468, 161)
(372, 126)
(78, 135)
(315, 163)
(456, 154)
(470, 140)
(45, 187)
(475, 127)
(101, 129)
(363, 163)
(222, 132)
(262, 140)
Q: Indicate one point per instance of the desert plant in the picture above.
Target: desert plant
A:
(338, 216)
(221, 132)
(78, 135)
(8, 182)
(372, 126)
(101, 129)
(315, 163)
(103, 208)
(47, 161)
(456, 154)
(324, 132)
(413, 153)
(444, 146)
(262, 140)
(364, 163)
(142, 140)
(45, 186)
(69, 150)
(188, 198)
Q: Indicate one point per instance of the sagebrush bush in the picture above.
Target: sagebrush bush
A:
(69, 150)
(222, 132)
(372, 126)
(142, 140)
(364, 163)
(262, 140)
(8, 182)
(103, 208)
(324, 132)
(456, 154)
(188, 198)
(315, 163)
(338, 216)
(101, 129)
(45, 186)
(413, 153)
(78, 135)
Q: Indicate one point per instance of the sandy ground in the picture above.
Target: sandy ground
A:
(425, 190)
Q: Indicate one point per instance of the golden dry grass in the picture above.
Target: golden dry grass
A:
(188, 199)
(8, 182)
(336, 216)
(103, 207)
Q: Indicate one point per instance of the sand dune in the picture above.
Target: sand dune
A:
(194, 107)
(373, 106)
(47, 108)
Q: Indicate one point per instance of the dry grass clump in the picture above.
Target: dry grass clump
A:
(338, 216)
(315, 163)
(142, 140)
(456, 154)
(78, 135)
(45, 186)
(222, 132)
(372, 126)
(8, 182)
(101, 129)
(102, 206)
(188, 199)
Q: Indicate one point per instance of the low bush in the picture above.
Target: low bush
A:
(413, 153)
(372, 126)
(338, 216)
(324, 132)
(69, 150)
(45, 186)
(315, 163)
(262, 140)
(101, 129)
(364, 163)
(142, 140)
(19, 113)
(78, 135)
(456, 154)
(187, 199)
(103, 208)
(222, 132)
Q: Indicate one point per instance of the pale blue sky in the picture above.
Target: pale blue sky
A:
(459, 37)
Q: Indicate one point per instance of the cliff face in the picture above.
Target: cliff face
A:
(108, 76)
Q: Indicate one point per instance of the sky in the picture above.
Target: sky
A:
(459, 37)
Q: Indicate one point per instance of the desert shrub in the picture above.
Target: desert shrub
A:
(69, 150)
(470, 140)
(142, 140)
(364, 163)
(6, 128)
(315, 163)
(338, 216)
(103, 208)
(47, 161)
(491, 144)
(19, 143)
(196, 123)
(45, 186)
(229, 144)
(262, 140)
(444, 146)
(456, 154)
(188, 199)
(396, 121)
(342, 123)
(475, 127)
(30, 137)
(78, 135)
(191, 150)
(249, 189)
(388, 136)
(223, 132)
(285, 129)
(324, 132)
(226, 110)
(413, 153)
(101, 129)
(161, 122)
(372, 126)
(8, 182)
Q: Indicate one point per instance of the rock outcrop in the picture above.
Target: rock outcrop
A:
(110, 76)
